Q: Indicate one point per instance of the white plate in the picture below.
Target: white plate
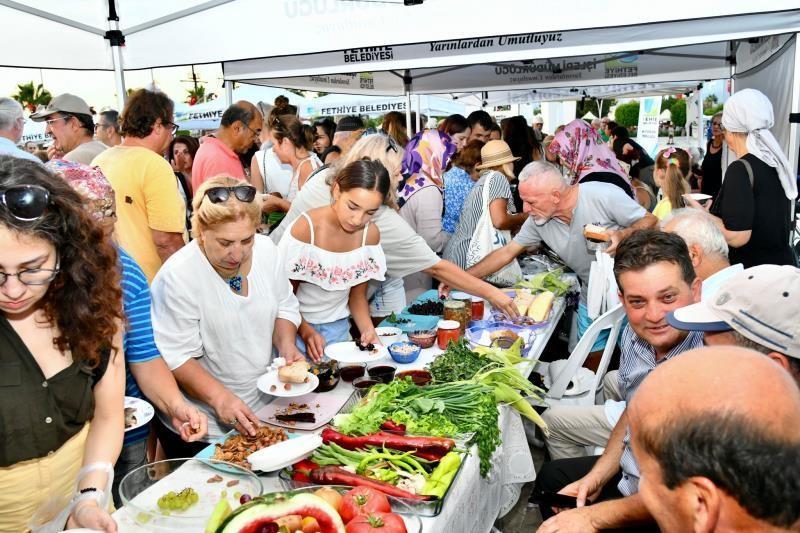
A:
(143, 411)
(298, 389)
(284, 453)
(329, 405)
(698, 196)
(348, 352)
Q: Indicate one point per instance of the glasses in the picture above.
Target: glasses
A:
(172, 127)
(64, 118)
(100, 125)
(243, 193)
(32, 276)
(25, 202)
(257, 132)
(391, 143)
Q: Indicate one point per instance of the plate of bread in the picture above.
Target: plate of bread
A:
(288, 380)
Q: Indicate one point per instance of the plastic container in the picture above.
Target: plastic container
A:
(389, 335)
(404, 352)
(448, 330)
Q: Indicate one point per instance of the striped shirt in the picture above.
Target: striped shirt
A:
(137, 342)
(637, 360)
(457, 247)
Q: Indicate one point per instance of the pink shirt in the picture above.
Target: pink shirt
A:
(215, 158)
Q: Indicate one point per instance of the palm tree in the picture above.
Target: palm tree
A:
(31, 96)
(198, 95)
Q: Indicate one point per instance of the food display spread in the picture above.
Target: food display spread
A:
(237, 447)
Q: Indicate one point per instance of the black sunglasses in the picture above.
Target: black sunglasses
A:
(243, 193)
(25, 202)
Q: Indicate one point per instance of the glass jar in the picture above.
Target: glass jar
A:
(447, 330)
(457, 310)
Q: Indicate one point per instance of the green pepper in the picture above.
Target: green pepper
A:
(442, 476)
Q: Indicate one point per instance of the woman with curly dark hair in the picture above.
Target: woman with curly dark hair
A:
(62, 374)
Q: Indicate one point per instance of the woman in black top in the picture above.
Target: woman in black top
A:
(712, 162)
(753, 205)
(524, 145)
(630, 152)
(61, 361)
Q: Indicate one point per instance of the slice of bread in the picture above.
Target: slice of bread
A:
(596, 233)
(294, 373)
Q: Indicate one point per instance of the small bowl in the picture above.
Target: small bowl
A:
(328, 374)
(404, 352)
(419, 377)
(381, 372)
(389, 335)
(352, 371)
(364, 383)
(423, 339)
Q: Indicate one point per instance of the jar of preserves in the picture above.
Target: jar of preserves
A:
(458, 311)
(447, 330)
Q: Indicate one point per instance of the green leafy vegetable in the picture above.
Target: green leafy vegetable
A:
(548, 281)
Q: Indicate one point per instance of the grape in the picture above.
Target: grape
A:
(244, 498)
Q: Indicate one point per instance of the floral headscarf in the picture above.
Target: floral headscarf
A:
(89, 182)
(424, 162)
(582, 151)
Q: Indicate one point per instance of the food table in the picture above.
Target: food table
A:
(473, 503)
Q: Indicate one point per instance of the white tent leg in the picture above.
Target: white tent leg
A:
(408, 109)
(229, 94)
(119, 73)
(419, 115)
(794, 134)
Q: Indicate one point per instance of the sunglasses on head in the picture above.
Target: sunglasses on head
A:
(25, 202)
(243, 193)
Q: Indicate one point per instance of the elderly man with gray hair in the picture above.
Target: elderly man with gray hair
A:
(557, 213)
(707, 246)
(12, 122)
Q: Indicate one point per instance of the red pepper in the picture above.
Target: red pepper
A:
(300, 476)
(391, 425)
(430, 448)
(302, 469)
(333, 475)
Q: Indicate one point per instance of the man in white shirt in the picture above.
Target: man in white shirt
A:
(11, 124)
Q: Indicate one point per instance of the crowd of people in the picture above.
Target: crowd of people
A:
(134, 262)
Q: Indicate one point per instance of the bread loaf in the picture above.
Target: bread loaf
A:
(294, 373)
(539, 310)
(596, 233)
(523, 300)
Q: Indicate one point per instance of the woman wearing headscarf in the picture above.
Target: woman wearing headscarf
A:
(754, 204)
(586, 157)
(421, 196)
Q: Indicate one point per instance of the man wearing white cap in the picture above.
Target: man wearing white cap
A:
(69, 121)
(538, 124)
(757, 308)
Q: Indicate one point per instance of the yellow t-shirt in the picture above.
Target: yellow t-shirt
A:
(662, 209)
(147, 197)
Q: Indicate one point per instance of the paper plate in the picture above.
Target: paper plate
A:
(270, 379)
(284, 453)
(698, 196)
(137, 411)
(348, 352)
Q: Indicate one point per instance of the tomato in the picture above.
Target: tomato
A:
(301, 469)
(331, 496)
(381, 522)
(363, 500)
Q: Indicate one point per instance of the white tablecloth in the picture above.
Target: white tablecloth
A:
(474, 503)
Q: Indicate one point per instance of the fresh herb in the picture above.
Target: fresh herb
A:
(548, 281)
(458, 363)
(394, 319)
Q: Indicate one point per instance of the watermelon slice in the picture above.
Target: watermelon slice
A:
(264, 510)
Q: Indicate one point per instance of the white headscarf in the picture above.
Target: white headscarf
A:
(749, 111)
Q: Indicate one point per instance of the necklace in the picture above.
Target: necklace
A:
(235, 283)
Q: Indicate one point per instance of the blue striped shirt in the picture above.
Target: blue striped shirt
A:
(637, 360)
(137, 342)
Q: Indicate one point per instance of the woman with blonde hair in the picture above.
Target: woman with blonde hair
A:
(673, 166)
(220, 305)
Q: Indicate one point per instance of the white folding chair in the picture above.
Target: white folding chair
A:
(573, 366)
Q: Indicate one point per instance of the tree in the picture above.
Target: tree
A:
(678, 111)
(32, 96)
(197, 95)
(668, 102)
(709, 101)
(627, 115)
(711, 111)
(590, 104)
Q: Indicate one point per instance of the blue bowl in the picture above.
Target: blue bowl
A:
(402, 357)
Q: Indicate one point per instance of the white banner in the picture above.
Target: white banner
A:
(647, 130)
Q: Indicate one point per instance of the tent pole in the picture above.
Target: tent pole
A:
(794, 134)
(117, 40)
(229, 94)
(419, 115)
(407, 90)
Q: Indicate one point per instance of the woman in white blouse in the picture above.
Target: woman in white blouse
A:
(220, 304)
(331, 253)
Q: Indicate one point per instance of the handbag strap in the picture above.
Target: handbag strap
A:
(749, 169)
(486, 184)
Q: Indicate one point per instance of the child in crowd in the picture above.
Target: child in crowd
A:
(673, 168)
(332, 252)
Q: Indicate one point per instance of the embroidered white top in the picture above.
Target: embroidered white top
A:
(328, 276)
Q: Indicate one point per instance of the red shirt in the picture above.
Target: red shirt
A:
(214, 158)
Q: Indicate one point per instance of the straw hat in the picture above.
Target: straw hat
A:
(496, 154)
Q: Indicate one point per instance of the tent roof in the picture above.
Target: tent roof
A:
(182, 32)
